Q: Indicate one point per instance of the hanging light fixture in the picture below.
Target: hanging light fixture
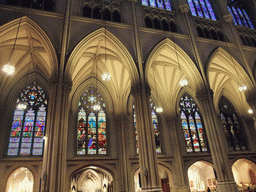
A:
(106, 76)
(182, 82)
(23, 104)
(250, 111)
(8, 68)
(242, 87)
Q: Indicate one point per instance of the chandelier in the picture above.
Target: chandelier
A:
(8, 68)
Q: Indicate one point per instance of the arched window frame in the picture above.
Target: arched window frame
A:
(161, 4)
(91, 131)
(155, 121)
(232, 126)
(28, 125)
(192, 125)
(240, 16)
(202, 8)
(35, 4)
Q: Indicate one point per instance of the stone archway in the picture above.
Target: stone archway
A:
(244, 172)
(201, 175)
(21, 180)
(92, 179)
(164, 174)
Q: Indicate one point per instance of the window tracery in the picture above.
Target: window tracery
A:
(161, 4)
(91, 131)
(108, 10)
(192, 125)
(232, 126)
(28, 125)
(201, 8)
(155, 128)
(240, 16)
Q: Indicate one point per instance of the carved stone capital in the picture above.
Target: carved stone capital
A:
(228, 18)
(137, 88)
(184, 8)
(203, 94)
(67, 85)
(251, 97)
(54, 81)
(172, 120)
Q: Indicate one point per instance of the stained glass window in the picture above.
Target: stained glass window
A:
(161, 4)
(28, 125)
(201, 8)
(155, 127)
(91, 131)
(232, 127)
(192, 125)
(240, 16)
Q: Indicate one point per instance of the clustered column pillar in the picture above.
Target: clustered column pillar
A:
(223, 169)
(181, 183)
(150, 180)
(121, 121)
(54, 161)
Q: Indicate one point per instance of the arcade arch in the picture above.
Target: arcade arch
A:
(33, 52)
(225, 75)
(166, 66)
(164, 174)
(244, 172)
(201, 175)
(20, 180)
(91, 179)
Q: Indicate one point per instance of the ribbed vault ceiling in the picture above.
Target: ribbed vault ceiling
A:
(225, 79)
(29, 42)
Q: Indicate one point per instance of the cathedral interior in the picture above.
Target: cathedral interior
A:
(127, 95)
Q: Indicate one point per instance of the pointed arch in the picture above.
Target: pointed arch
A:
(166, 66)
(104, 50)
(225, 75)
(33, 51)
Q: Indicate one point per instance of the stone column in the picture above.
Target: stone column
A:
(218, 150)
(150, 180)
(54, 160)
(121, 121)
(181, 179)
(251, 100)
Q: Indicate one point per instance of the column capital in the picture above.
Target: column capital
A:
(67, 85)
(228, 18)
(120, 117)
(54, 81)
(251, 97)
(172, 119)
(138, 87)
(184, 8)
(203, 94)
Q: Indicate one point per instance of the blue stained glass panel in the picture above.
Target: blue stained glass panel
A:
(102, 144)
(235, 21)
(145, 2)
(198, 8)
(248, 19)
(37, 151)
(152, 3)
(191, 5)
(12, 151)
(210, 9)
(206, 12)
(168, 5)
(237, 17)
(242, 17)
(160, 4)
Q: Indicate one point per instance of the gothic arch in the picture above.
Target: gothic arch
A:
(225, 75)
(168, 58)
(31, 40)
(94, 50)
